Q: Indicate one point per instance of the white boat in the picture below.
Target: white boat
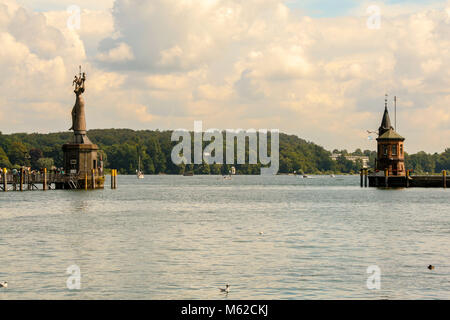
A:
(139, 173)
(231, 172)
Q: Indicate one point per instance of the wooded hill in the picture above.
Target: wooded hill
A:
(122, 147)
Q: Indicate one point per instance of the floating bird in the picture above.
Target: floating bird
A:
(431, 267)
(226, 290)
(3, 284)
(261, 233)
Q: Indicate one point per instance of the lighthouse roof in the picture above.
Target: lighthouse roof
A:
(391, 135)
(385, 123)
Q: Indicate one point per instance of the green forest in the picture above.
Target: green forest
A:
(121, 149)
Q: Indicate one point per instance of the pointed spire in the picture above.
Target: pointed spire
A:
(386, 122)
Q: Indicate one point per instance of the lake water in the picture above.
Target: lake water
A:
(174, 237)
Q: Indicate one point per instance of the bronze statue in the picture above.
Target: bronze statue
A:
(78, 116)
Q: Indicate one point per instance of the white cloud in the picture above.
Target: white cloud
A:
(120, 53)
(164, 64)
(48, 5)
(94, 26)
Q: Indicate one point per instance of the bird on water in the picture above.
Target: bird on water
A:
(3, 284)
(431, 267)
(226, 290)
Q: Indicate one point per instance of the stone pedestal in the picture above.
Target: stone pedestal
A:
(79, 162)
(80, 158)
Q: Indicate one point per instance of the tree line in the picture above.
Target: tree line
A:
(121, 149)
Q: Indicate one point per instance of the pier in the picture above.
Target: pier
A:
(27, 181)
(384, 180)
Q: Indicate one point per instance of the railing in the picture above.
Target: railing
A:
(35, 178)
(30, 178)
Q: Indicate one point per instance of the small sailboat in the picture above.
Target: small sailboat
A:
(231, 172)
(139, 173)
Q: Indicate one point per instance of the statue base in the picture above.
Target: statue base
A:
(82, 167)
(80, 137)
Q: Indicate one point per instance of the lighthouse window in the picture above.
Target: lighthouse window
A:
(385, 150)
(394, 150)
(401, 149)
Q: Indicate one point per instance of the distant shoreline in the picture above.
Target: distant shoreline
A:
(121, 149)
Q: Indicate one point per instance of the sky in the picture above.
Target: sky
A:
(333, 8)
(317, 69)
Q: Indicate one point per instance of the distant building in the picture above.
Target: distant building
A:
(364, 159)
(391, 153)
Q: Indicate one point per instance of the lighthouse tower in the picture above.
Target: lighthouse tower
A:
(391, 153)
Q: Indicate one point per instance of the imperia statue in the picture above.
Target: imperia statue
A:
(78, 116)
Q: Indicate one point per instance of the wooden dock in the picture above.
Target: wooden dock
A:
(24, 180)
(407, 181)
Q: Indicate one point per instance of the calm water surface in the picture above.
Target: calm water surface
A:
(172, 237)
